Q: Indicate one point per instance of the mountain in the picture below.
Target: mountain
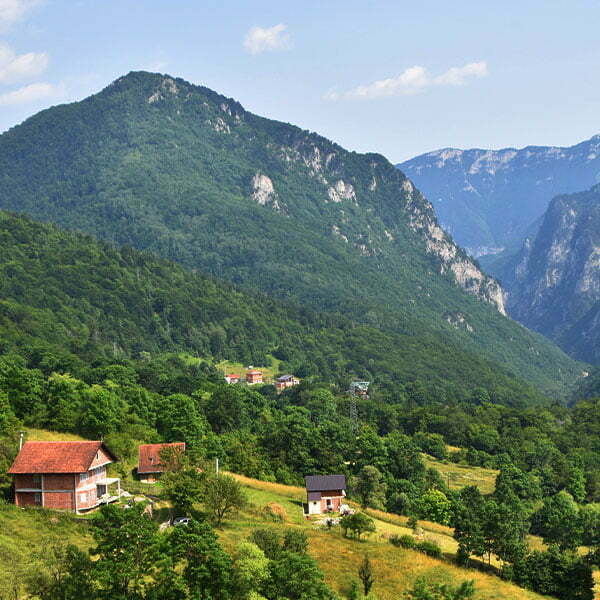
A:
(490, 200)
(554, 282)
(164, 166)
(68, 301)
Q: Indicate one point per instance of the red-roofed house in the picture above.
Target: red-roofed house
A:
(62, 475)
(253, 377)
(149, 464)
(232, 378)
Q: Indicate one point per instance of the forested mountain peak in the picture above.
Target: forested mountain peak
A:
(162, 165)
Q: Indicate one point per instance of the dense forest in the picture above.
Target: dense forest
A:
(117, 344)
(164, 166)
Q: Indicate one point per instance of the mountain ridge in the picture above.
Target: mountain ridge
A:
(164, 166)
(488, 199)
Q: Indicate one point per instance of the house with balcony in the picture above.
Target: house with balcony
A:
(64, 475)
(253, 376)
(286, 381)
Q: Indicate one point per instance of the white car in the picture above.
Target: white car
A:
(181, 521)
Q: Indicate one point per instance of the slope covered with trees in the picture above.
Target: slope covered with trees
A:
(162, 165)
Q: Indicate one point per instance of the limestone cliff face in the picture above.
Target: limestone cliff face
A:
(554, 283)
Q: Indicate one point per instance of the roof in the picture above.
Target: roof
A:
(149, 456)
(254, 372)
(57, 457)
(232, 375)
(319, 483)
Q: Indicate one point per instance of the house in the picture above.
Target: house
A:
(360, 389)
(324, 493)
(233, 378)
(149, 460)
(286, 381)
(253, 377)
(63, 475)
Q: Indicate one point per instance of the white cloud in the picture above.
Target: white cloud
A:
(412, 81)
(14, 67)
(13, 10)
(31, 93)
(260, 39)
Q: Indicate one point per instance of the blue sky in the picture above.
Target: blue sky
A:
(399, 78)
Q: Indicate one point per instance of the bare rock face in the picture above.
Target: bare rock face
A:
(341, 191)
(263, 192)
(452, 258)
(554, 282)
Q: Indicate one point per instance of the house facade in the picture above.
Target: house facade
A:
(253, 377)
(150, 467)
(324, 493)
(63, 475)
(286, 381)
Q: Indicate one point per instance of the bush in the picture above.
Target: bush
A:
(268, 540)
(403, 541)
(429, 548)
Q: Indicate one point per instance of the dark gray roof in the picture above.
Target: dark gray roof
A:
(316, 483)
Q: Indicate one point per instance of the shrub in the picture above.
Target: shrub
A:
(403, 541)
(268, 541)
(429, 548)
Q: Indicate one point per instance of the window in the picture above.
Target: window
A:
(37, 498)
(84, 476)
(37, 481)
(83, 497)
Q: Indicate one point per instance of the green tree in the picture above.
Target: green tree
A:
(183, 488)
(205, 567)
(357, 524)
(251, 569)
(127, 549)
(434, 591)
(222, 496)
(558, 521)
(434, 505)
(365, 574)
(369, 487)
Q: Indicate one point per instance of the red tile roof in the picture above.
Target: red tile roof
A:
(57, 457)
(149, 460)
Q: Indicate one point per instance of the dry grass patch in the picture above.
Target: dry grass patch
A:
(459, 476)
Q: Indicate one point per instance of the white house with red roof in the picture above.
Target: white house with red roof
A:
(232, 378)
(63, 475)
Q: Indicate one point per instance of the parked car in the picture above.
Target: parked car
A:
(181, 521)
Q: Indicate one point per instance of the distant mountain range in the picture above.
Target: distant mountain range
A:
(178, 170)
(553, 284)
(490, 200)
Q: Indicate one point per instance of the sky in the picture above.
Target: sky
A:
(394, 77)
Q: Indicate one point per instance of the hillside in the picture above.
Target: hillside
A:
(164, 166)
(553, 284)
(396, 569)
(67, 293)
(489, 200)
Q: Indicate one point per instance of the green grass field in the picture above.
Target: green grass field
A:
(459, 476)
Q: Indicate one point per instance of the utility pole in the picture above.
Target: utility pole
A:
(21, 436)
(217, 465)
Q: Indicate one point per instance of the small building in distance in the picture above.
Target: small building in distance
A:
(359, 388)
(150, 467)
(63, 475)
(233, 378)
(286, 381)
(324, 493)
(253, 376)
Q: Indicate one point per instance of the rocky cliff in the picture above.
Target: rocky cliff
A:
(554, 282)
(490, 200)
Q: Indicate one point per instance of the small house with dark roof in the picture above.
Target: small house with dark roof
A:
(149, 460)
(324, 493)
(63, 475)
(286, 381)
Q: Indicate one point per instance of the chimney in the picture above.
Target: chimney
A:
(21, 436)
